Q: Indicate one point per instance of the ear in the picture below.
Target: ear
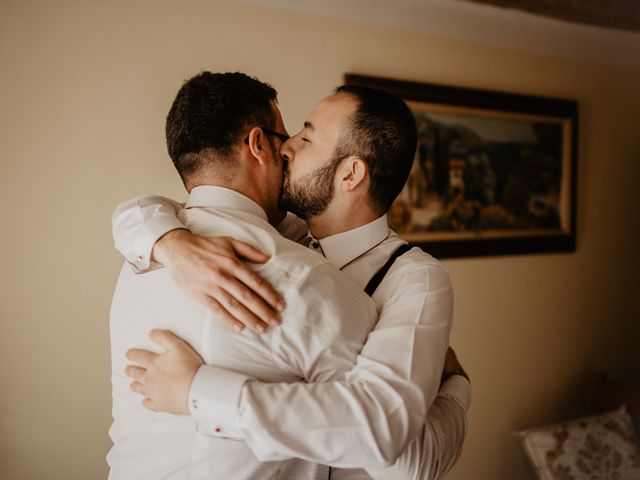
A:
(258, 144)
(353, 172)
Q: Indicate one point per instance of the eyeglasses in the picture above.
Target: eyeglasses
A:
(282, 136)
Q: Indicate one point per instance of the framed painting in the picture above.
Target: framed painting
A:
(494, 173)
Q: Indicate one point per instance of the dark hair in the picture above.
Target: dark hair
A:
(210, 114)
(383, 132)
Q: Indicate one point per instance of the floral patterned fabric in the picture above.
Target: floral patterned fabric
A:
(602, 447)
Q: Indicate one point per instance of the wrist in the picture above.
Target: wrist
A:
(164, 247)
(186, 391)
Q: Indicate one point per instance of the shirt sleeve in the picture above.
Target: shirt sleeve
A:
(412, 334)
(438, 446)
(368, 418)
(139, 223)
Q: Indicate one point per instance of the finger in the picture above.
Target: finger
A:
(252, 302)
(258, 284)
(221, 313)
(167, 339)
(140, 356)
(241, 313)
(248, 252)
(137, 387)
(135, 372)
(149, 405)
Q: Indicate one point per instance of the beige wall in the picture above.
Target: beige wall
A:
(84, 89)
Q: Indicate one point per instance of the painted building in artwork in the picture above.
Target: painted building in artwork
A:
(456, 175)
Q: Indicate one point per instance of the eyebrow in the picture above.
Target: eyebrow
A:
(308, 125)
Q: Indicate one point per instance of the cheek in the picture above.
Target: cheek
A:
(292, 169)
(302, 166)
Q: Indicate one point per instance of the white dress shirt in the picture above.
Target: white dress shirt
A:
(400, 364)
(326, 321)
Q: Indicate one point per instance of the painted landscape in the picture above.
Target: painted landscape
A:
(481, 176)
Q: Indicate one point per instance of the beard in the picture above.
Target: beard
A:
(310, 195)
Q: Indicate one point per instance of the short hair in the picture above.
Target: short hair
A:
(382, 132)
(210, 114)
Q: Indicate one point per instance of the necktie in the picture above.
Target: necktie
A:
(312, 243)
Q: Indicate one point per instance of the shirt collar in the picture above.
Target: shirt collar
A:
(344, 247)
(221, 197)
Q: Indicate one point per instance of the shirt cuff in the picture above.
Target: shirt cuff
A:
(141, 257)
(214, 398)
(459, 388)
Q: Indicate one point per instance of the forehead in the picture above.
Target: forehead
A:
(331, 115)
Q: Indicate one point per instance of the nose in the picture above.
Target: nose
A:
(286, 150)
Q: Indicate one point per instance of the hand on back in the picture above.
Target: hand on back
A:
(211, 271)
(164, 379)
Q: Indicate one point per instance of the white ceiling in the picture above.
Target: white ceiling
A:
(482, 24)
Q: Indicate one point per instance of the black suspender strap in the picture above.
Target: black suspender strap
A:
(376, 280)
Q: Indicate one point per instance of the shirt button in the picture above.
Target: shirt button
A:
(217, 430)
(140, 259)
(194, 404)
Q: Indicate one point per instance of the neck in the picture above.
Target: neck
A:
(340, 218)
(248, 186)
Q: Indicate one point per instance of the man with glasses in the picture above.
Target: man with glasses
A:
(234, 189)
(343, 171)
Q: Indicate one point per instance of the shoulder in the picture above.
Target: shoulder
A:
(315, 282)
(295, 260)
(415, 270)
(309, 274)
(414, 259)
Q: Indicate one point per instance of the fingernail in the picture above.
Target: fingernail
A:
(275, 320)
(281, 305)
(237, 327)
(260, 328)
